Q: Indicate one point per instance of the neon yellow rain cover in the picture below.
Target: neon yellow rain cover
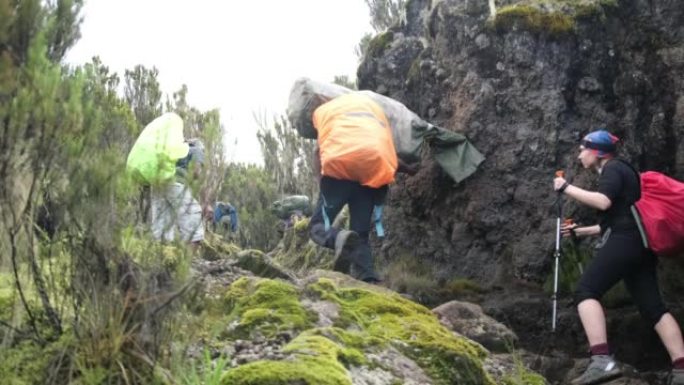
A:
(153, 156)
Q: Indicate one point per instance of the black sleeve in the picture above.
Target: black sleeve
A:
(610, 182)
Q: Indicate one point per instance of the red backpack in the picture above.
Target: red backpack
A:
(661, 213)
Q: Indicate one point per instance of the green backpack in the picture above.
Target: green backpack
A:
(152, 159)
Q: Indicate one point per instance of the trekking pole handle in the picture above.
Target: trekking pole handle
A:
(560, 174)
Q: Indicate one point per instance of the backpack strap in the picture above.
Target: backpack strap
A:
(638, 176)
(640, 225)
(377, 219)
(633, 208)
(326, 219)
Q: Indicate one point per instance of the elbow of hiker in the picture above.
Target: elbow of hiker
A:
(603, 203)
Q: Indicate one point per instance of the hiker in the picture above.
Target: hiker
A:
(172, 204)
(225, 217)
(355, 160)
(620, 255)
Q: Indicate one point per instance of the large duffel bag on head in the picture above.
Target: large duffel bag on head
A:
(355, 140)
(452, 151)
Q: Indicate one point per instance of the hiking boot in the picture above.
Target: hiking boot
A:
(601, 368)
(676, 377)
(346, 243)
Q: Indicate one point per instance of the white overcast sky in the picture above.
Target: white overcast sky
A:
(241, 56)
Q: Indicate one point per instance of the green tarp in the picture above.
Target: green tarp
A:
(290, 205)
(452, 151)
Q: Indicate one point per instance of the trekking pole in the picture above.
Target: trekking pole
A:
(556, 255)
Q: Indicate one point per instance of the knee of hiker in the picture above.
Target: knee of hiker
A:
(582, 294)
(653, 313)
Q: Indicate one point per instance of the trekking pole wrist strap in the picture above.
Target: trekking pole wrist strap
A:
(563, 187)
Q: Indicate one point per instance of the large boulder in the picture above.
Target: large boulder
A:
(331, 329)
(469, 320)
(525, 86)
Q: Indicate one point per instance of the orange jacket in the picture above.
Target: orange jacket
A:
(355, 141)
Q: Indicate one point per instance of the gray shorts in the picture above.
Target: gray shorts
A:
(175, 214)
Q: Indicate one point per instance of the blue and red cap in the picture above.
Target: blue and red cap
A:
(602, 142)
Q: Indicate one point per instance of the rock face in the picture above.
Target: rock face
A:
(525, 87)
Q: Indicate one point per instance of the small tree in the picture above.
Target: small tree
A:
(344, 81)
(251, 190)
(288, 158)
(384, 14)
(143, 94)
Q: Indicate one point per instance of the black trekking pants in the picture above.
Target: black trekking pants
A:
(623, 257)
(334, 194)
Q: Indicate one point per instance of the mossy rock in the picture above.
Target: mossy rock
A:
(315, 360)
(214, 248)
(412, 328)
(553, 17)
(266, 307)
(298, 253)
(261, 265)
(370, 320)
(379, 44)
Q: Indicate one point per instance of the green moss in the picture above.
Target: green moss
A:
(150, 254)
(6, 294)
(23, 364)
(267, 306)
(302, 226)
(378, 44)
(390, 318)
(260, 264)
(214, 248)
(352, 343)
(553, 16)
(28, 363)
(356, 339)
(313, 344)
(590, 9)
(296, 253)
(461, 286)
(522, 375)
(533, 19)
(524, 378)
(414, 73)
(367, 320)
(405, 274)
(316, 360)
